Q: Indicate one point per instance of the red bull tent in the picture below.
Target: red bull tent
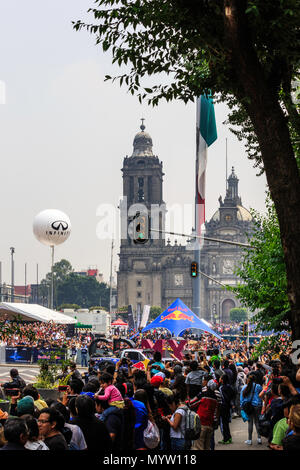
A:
(177, 318)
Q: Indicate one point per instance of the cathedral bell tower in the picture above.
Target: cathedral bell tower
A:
(143, 187)
(140, 272)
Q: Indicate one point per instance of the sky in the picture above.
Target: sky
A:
(64, 135)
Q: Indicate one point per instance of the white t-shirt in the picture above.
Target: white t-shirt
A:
(180, 431)
(36, 445)
(77, 436)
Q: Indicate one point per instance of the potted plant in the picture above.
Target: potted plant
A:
(47, 382)
(4, 405)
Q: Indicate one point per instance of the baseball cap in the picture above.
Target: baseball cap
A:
(156, 380)
(25, 406)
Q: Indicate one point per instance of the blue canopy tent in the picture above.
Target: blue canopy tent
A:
(177, 318)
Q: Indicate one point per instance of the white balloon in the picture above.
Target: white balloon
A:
(51, 227)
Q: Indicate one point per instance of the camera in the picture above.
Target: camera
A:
(11, 392)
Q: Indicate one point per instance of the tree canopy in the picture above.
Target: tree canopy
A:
(243, 52)
(238, 314)
(263, 274)
(72, 288)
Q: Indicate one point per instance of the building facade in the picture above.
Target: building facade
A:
(158, 272)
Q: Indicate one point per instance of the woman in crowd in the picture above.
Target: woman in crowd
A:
(177, 423)
(251, 402)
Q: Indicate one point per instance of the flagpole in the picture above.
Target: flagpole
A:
(196, 280)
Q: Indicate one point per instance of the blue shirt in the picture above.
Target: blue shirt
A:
(253, 395)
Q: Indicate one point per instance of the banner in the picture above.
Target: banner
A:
(18, 354)
(145, 316)
(131, 324)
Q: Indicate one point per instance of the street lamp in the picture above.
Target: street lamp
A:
(12, 251)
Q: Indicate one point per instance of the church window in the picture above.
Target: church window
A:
(141, 189)
(139, 283)
(131, 190)
(139, 294)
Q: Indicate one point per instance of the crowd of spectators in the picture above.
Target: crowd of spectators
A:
(117, 408)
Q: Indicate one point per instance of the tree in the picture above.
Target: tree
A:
(263, 273)
(72, 306)
(154, 312)
(246, 53)
(61, 270)
(238, 314)
(82, 290)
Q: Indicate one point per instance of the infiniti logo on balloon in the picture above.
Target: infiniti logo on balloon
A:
(59, 225)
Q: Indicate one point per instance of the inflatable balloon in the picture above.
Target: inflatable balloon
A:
(52, 227)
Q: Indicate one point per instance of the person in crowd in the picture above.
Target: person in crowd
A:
(16, 434)
(177, 423)
(113, 418)
(218, 372)
(96, 435)
(227, 395)
(84, 353)
(193, 380)
(21, 406)
(207, 411)
(165, 386)
(141, 417)
(240, 382)
(51, 423)
(111, 393)
(33, 443)
(145, 414)
(77, 441)
(281, 427)
(250, 394)
(31, 391)
(75, 374)
(16, 381)
(156, 365)
(292, 441)
(74, 389)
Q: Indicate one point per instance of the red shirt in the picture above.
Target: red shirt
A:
(206, 411)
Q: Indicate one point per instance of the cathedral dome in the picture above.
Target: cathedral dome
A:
(142, 144)
(242, 214)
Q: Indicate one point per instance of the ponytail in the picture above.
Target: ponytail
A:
(249, 386)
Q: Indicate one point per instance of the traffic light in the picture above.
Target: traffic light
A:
(141, 229)
(194, 269)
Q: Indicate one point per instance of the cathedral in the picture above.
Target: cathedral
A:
(157, 272)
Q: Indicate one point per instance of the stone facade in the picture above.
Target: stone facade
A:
(157, 272)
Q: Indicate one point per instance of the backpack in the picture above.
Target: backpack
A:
(192, 424)
(247, 406)
(151, 435)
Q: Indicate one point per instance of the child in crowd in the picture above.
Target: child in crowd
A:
(111, 393)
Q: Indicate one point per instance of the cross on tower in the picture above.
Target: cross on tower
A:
(142, 126)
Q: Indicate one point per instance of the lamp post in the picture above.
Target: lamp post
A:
(12, 251)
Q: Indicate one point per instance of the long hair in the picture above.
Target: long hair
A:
(249, 386)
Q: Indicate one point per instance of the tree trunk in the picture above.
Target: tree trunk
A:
(277, 152)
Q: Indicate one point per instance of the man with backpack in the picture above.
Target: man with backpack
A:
(206, 411)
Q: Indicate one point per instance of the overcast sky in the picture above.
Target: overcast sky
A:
(64, 135)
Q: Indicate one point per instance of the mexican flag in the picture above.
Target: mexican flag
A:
(206, 134)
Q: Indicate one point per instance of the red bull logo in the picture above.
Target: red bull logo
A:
(177, 315)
